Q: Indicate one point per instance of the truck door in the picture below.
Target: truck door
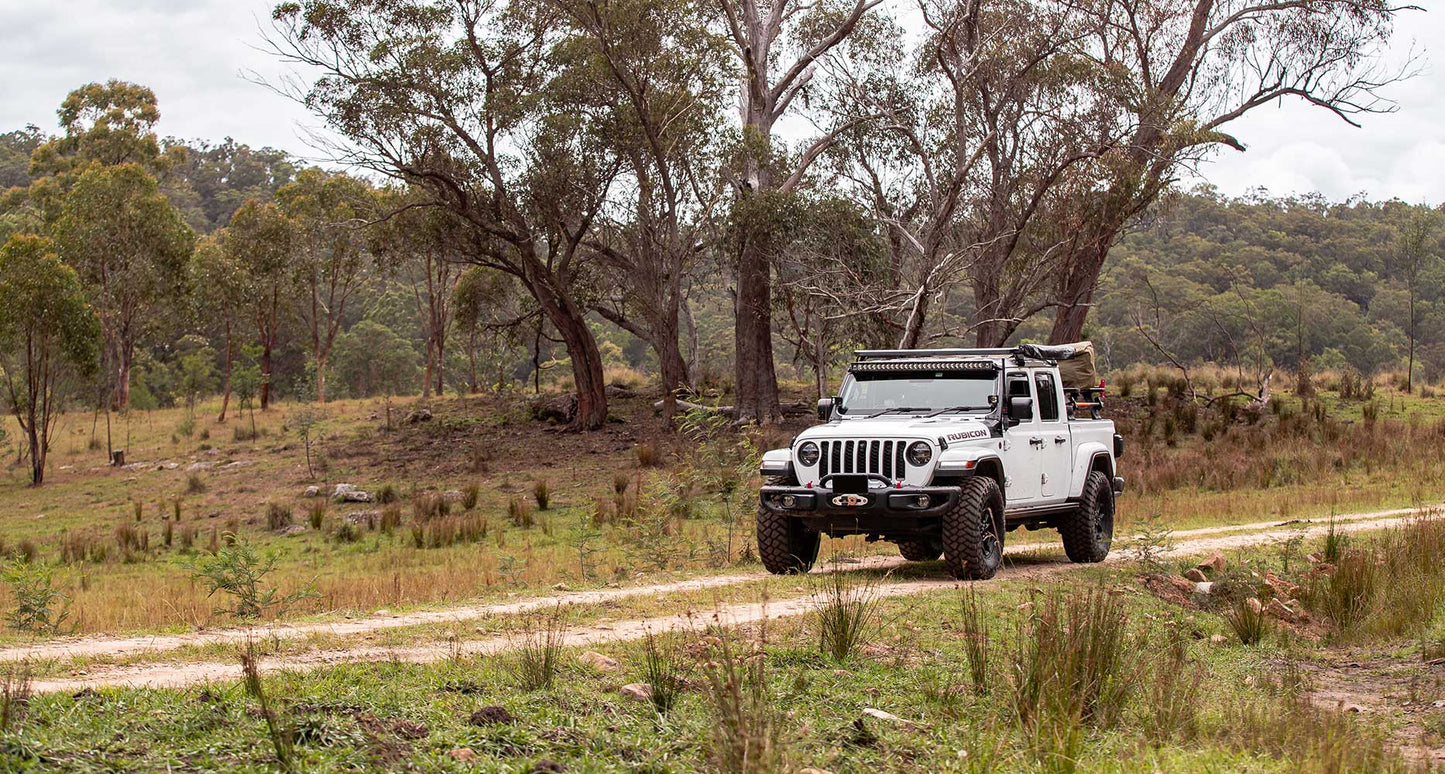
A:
(1021, 458)
(1055, 453)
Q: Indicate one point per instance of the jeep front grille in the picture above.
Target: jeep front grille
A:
(884, 458)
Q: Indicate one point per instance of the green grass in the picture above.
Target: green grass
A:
(370, 716)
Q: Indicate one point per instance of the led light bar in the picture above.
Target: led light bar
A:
(926, 365)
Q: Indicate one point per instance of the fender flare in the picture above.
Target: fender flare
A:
(1085, 458)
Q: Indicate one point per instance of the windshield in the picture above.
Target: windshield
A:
(873, 393)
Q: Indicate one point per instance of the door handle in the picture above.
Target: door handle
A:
(1060, 439)
(1036, 441)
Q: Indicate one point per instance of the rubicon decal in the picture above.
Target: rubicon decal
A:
(850, 501)
(967, 435)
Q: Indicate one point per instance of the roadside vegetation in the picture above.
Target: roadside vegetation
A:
(481, 500)
(1109, 669)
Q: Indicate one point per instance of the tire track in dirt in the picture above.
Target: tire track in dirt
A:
(167, 675)
(70, 648)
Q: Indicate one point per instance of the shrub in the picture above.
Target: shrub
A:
(647, 456)
(538, 648)
(471, 493)
(519, 511)
(278, 517)
(281, 739)
(15, 688)
(663, 667)
(386, 494)
(346, 532)
(39, 608)
(390, 519)
(239, 571)
(429, 505)
(541, 494)
(132, 540)
(1248, 620)
(976, 641)
(316, 513)
(77, 546)
(846, 614)
(746, 723)
(195, 484)
(1070, 666)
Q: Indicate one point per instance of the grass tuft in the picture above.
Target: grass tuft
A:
(846, 614)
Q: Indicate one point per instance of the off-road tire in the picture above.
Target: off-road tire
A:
(920, 550)
(973, 531)
(1089, 532)
(784, 544)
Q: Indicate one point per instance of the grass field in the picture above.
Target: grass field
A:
(625, 505)
(1108, 669)
(1115, 668)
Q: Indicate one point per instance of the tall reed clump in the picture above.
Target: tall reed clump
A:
(281, 737)
(1247, 619)
(278, 517)
(747, 727)
(846, 614)
(542, 494)
(519, 511)
(976, 643)
(1379, 587)
(1071, 671)
(537, 650)
(664, 665)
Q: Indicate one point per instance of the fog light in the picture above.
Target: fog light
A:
(789, 501)
(923, 501)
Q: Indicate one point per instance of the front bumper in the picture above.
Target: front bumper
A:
(822, 503)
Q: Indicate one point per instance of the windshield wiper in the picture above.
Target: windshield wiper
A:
(952, 409)
(898, 410)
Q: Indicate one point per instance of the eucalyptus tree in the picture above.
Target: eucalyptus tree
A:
(422, 247)
(258, 242)
(329, 257)
(132, 250)
(48, 337)
(778, 44)
(461, 100)
(1178, 74)
(974, 135)
(219, 284)
(649, 79)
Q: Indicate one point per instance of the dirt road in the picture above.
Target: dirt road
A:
(1041, 561)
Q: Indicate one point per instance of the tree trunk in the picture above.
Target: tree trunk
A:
(441, 368)
(571, 325)
(321, 378)
(265, 375)
(426, 371)
(673, 367)
(755, 378)
(226, 382)
(122, 383)
(1076, 292)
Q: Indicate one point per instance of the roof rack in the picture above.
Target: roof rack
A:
(878, 354)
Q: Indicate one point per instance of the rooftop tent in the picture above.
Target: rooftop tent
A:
(1076, 362)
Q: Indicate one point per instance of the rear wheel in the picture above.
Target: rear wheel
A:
(784, 544)
(1089, 533)
(973, 531)
(920, 550)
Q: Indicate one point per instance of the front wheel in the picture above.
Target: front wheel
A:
(973, 531)
(1089, 532)
(784, 544)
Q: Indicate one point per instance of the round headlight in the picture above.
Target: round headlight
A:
(808, 454)
(919, 453)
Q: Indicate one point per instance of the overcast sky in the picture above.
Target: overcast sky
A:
(194, 54)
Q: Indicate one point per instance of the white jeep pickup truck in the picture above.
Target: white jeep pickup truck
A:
(943, 452)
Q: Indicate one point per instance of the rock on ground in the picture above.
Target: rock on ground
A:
(598, 661)
(638, 691)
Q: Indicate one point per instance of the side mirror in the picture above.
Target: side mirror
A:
(1021, 409)
(825, 409)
